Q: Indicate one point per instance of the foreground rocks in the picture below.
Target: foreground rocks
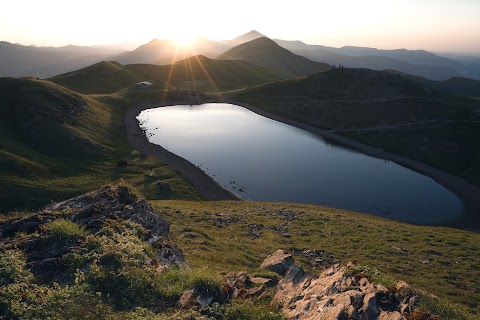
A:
(278, 262)
(335, 295)
(119, 232)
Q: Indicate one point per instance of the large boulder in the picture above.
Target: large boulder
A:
(278, 262)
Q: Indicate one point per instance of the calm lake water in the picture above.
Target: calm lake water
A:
(262, 159)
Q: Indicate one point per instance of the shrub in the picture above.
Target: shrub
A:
(128, 287)
(65, 229)
(12, 268)
(134, 153)
(127, 193)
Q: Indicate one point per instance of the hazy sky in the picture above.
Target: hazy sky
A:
(438, 25)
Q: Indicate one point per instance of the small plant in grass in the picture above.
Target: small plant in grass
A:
(127, 192)
(135, 153)
(65, 229)
(370, 273)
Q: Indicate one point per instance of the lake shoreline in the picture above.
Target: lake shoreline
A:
(211, 190)
(205, 185)
(467, 192)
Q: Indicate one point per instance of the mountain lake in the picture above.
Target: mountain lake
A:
(264, 160)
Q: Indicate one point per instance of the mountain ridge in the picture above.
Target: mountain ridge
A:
(231, 74)
(268, 54)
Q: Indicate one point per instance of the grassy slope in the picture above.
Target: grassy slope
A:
(268, 54)
(455, 85)
(442, 261)
(220, 75)
(358, 100)
(56, 144)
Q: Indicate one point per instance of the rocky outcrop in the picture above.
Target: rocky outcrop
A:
(110, 205)
(333, 295)
(278, 262)
(113, 202)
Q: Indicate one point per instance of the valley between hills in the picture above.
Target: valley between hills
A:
(76, 132)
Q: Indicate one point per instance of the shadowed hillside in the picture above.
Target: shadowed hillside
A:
(460, 86)
(266, 53)
(215, 74)
(55, 143)
(456, 85)
(384, 110)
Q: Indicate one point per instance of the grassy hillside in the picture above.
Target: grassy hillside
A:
(460, 86)
(266, 53)
(105, 262)
(221, 75)
(101, 67)
(456, 85)
(55, 143)
(384, 110)
(351, 98)
(225, 236)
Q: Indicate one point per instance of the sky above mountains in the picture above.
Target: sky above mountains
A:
(435, 25)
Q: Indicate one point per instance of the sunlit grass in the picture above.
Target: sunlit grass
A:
(439, 260)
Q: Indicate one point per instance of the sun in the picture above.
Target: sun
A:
(183, 39)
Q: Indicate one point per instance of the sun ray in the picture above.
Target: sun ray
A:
(208, 76)
(192, 76)
(169, 78)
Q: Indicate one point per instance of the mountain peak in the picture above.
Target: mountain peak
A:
(249, 36)
(268, 54)
(254, 33)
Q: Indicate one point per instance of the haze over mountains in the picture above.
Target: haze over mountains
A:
(18, 60)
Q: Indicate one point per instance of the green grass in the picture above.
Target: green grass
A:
(394, 249)
(445, 309)
(110, 270)
(65, 229)
(106, 273)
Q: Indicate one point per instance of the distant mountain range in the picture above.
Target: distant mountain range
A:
(420, 63)
(18, 60)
